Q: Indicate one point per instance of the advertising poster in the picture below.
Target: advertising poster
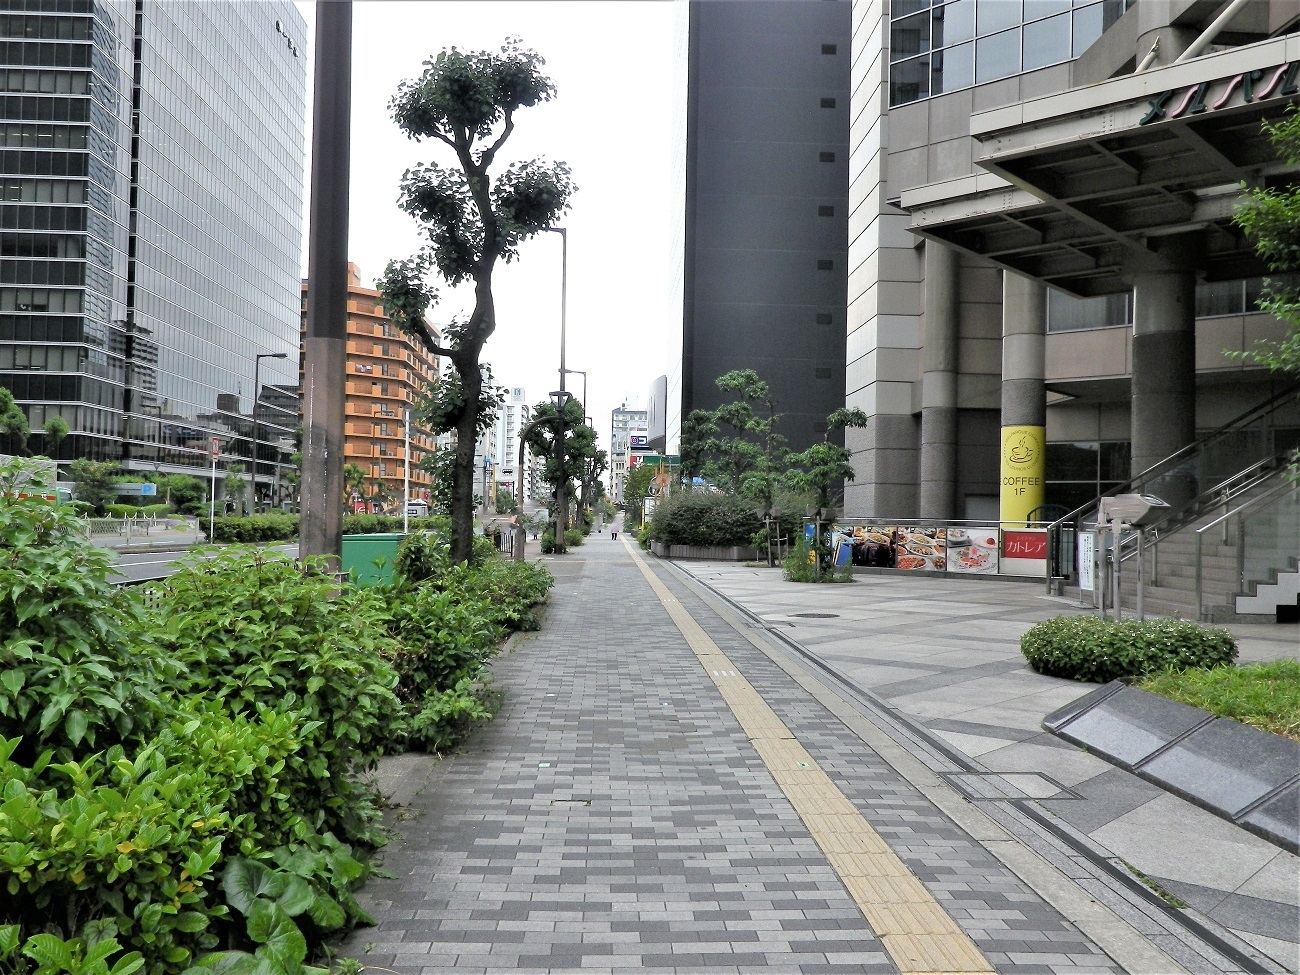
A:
(973, 550)
(894, 546)
(1024, 462)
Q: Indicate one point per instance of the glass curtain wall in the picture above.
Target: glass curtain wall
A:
(151, 198)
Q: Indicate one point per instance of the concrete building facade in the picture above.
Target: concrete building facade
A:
(624, 424)
(1041, 239)
(766, 166)
(386, 371)
(152, 159)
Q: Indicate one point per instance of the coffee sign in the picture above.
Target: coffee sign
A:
(1249, 86)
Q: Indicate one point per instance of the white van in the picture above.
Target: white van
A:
(417, 509)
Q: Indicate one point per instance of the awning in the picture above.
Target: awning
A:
(1080, 188)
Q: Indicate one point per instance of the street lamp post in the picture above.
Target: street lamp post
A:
(579, 372)
(257, 390)
(564, 292)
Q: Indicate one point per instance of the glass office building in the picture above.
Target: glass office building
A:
(152, 167)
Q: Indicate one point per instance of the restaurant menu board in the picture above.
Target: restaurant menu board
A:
(896, 546)
(973, 550)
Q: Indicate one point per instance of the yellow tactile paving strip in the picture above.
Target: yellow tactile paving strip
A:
(918, 933)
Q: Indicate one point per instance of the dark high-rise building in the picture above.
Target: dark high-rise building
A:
(766, 248)
(151, 158)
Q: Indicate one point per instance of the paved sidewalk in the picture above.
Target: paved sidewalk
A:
(677, 784)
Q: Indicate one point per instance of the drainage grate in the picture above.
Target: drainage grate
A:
(570, 802)
(817, 616)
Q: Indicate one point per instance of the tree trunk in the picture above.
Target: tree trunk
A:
(462, 494)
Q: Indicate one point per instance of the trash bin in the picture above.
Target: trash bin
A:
(361, 553)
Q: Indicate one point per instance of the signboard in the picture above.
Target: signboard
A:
(1087, 546)
(639, 442)
(214, 450)
(1024, 552)
(143, 489)
(1024, 461)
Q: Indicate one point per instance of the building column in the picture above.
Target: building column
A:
(1163, 398)
(1024, 397)
(939, 384)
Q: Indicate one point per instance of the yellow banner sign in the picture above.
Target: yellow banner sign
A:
(1024, 465)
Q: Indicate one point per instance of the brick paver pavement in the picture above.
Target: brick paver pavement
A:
(616, 817)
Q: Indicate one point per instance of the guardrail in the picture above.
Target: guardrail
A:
(128, 527)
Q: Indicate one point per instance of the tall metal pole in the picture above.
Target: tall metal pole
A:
(325, 348)
(561, 495)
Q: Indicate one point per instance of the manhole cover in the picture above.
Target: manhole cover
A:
(817, 616)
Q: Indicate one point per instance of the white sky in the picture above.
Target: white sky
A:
(611, 121)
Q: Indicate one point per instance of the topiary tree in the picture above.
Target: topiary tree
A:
(468, 101)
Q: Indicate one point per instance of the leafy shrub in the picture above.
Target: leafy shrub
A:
(156, 510)
(251, 529)
(48, 954)
(1089, 648)
(73, 675)
(253, 629)
(444, 634)
(698, 518)
(573, 537)
(378, 524)
(548, 541)
(123, 510)
(800, 565)
(127, 844)
(445, 717)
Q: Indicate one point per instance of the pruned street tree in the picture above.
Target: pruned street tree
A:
(737, 445)
(579, 443)
(468, 101)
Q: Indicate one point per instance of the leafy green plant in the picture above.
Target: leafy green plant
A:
(800, 565)
(445, 717)
(1089, 648)
(48, 954)
(127, 841)
(704, 518)
(253, 629)
(72, 672)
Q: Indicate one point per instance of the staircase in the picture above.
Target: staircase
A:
(1249, 562)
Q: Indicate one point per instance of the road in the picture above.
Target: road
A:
(139, 567)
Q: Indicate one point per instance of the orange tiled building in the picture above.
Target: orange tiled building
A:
(385, 371)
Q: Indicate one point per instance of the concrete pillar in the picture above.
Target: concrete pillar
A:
(1024, 403)
(325, 345)
(939, 384)
(1163, 399)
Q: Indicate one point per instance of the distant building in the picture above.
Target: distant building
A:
(385, 371)
(767, 215)
(151, 224)
(624, 425)
(515, 413)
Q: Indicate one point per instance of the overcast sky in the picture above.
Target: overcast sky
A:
(612, 121)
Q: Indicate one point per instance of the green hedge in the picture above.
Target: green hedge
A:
(250, 529)
(700, 518)
(1089, 648)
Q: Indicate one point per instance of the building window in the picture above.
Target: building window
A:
(946, 46)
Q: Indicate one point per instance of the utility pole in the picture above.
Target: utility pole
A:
(325, 347)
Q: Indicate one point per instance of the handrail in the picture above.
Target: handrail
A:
(1267, 498)
(1262, 409)
(1267, 407)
